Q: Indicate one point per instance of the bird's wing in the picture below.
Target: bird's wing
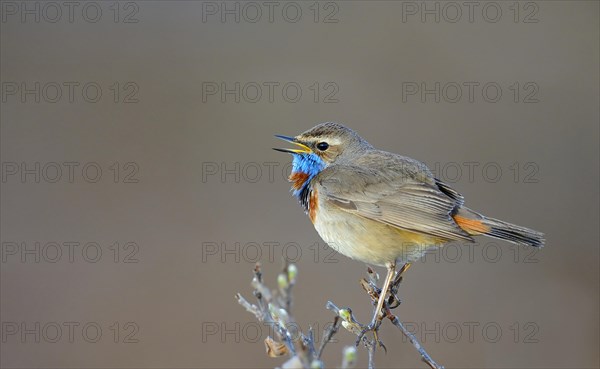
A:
(406, 197)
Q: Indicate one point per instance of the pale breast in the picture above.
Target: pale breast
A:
(367, 240)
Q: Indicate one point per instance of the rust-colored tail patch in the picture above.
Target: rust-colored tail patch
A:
(472, 226)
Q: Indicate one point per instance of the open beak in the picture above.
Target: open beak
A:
(302, 150)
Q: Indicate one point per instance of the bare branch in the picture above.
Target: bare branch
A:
(274, 308)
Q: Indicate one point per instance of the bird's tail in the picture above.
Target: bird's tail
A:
(476, 224)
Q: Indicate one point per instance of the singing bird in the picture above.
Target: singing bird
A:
(382, 208)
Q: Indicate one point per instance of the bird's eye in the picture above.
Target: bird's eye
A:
(322, 146)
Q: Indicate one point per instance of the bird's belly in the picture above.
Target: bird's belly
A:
(370, 241)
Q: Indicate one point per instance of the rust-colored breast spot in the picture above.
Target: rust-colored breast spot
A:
(313, 204)
(298, 179)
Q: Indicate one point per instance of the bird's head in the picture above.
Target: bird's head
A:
(321, 146)
(325, 144)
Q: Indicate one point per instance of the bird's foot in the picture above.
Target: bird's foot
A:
(373, 327)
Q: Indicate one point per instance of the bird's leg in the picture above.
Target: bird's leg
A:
(378, 314)
(394, 301)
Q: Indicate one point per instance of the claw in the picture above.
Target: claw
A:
(382, 346)
(393, 301)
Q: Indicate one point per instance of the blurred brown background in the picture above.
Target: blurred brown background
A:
(186, 203)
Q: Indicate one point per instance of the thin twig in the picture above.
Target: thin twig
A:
(411, 337)
(331, 331)
(309, 341)
(371, 356)
(350, 323)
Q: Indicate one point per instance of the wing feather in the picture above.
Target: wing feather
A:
(407, 199)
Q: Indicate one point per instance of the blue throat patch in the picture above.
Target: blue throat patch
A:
(310, 164)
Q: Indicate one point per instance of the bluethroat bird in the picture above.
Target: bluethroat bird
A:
(382, 208)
